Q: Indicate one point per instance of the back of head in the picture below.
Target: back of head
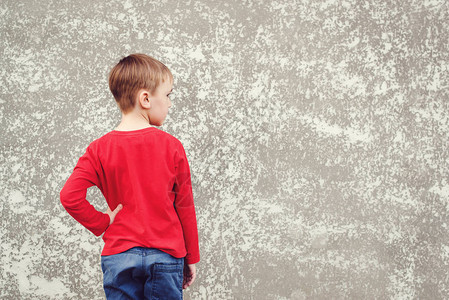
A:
(132, 73)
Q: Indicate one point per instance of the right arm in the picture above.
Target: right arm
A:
(185, 207)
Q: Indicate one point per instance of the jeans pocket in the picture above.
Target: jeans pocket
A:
(167, 280)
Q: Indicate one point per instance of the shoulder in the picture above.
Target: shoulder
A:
(101, 140)
(95, 144)
(164, 138)
(174, 141)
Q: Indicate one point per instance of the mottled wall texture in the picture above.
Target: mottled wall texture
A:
(317, 134)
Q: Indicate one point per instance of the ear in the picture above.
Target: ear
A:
(145, 99)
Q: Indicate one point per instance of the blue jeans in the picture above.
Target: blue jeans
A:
(142, 273)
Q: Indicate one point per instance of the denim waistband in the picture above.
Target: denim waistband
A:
(143, 251)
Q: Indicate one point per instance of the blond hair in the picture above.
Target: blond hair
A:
(132, 73)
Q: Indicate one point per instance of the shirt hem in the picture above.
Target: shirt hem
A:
(116, 250)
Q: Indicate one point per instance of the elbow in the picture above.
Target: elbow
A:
(64, 198)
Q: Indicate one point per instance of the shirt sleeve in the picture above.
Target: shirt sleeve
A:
(185, 207)
(73, 194)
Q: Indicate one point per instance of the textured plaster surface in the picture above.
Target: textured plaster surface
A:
(317, 134)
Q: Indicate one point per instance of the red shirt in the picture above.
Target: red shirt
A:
(147, 171)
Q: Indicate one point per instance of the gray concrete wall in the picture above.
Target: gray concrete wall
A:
(317, 133)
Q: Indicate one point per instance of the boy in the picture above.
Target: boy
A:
(150, 230)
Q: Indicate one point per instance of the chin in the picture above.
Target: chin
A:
(156, 123)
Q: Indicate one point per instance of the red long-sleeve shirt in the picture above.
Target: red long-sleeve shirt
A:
(147, 171)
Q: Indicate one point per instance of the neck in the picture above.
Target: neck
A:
(133, 121)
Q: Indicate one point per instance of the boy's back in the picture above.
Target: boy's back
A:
(146, 171)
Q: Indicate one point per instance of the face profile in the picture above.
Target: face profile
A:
(160, 103)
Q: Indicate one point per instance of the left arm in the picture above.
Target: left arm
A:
(73, 194)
